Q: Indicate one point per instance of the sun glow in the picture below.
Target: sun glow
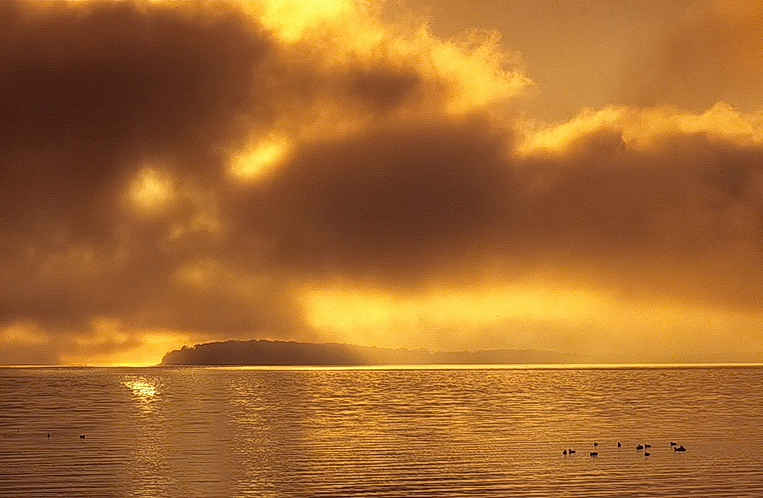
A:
(110, 342)
(342, 308)
(290, 19)
(257, 160)
(151, 190)
(379, 317)
(514, 316)
(454, 77)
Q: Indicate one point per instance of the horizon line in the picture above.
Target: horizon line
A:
(420, 366)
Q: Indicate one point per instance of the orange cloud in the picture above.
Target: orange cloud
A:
(645, 128)
(180, 171)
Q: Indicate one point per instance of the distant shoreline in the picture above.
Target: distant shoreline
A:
(290, 353)
(266, 353)
(463, 366)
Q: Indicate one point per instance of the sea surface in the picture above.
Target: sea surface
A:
(376, 432)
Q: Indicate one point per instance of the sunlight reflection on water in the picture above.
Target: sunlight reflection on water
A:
(170, 432)
(142, 387)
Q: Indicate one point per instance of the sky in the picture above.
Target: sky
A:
(577, 176)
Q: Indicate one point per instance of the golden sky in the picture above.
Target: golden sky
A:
(578, 176)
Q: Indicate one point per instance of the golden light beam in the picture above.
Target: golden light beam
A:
(258, 159)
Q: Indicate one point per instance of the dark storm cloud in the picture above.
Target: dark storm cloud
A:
(395, 202)
(89, 90)
(424, 202)
(88, 94)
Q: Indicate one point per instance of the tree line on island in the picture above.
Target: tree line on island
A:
(280, 353)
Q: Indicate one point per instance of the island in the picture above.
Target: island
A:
(284, 353)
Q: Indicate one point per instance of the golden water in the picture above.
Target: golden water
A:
(484, 432)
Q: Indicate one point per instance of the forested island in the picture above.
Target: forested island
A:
(282, 353)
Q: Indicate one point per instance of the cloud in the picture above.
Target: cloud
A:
(89, 90)
(123, 124)
(675, 197)
(712, 55)
(390, 203)
(189, 171)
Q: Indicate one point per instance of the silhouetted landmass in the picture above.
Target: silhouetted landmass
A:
(263, 352)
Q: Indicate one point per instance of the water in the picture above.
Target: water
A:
(227, 432)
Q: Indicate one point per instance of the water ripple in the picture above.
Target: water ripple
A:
(169, 432)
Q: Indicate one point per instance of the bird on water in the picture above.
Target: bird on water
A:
(680, 448)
